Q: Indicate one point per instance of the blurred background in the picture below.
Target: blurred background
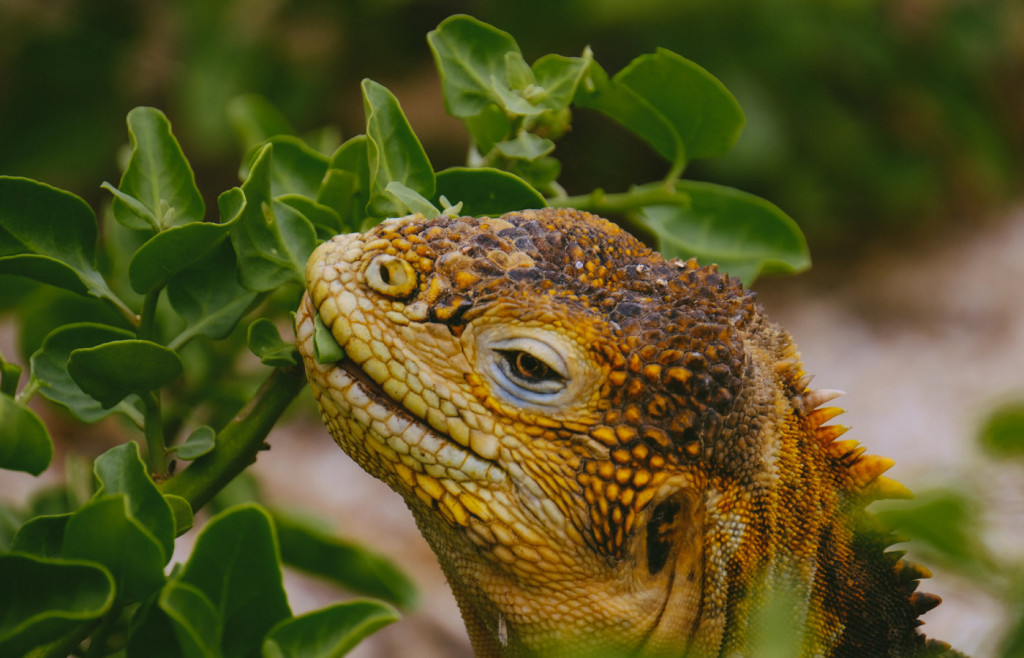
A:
(891, 130)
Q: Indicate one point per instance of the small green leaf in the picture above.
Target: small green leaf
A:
(42, 599)
(49, 235)
(265, 342)
(182, 512)
(393, 152)
(328, 633)
(236, 565)
(307, 547)
(525, 146)
(295, 167)
(196, 622)
(172, 251)
(272, 248)
(208, 296)
(744, 234)
(25, 444)
(560, 76)
(409, 201)
(1003, 433)
(326, 347)
(10, 373)
(475, 61)
(120, 470)
(114, 370)
(157, 175)
(487, 192)
(103, 531)
(50, 365)
(201, 441)
(255, 120)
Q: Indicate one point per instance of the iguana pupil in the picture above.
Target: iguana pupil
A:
(611, 454)
(530, 367)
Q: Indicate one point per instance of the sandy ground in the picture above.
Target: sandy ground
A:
(924, 345)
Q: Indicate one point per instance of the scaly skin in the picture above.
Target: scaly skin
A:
(610, 454)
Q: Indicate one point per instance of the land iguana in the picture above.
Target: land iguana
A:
(611, 454)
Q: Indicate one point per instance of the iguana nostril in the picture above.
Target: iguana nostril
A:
(391, 276)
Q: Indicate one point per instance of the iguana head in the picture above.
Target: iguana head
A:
(610, 453)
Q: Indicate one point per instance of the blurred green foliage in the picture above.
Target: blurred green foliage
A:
(862, 114)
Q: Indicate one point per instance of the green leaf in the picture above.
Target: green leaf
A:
(49, 235)
(272, 248)
(675, 105)
(478, 64)
(42, 536)
(201, 441)
(114, 370)
(326, 347)
(559, 77)
(946, 522)
(255, 120)
(306, 547)
(196, 622)
(525, 146)
(235, 564)
(295, 167)
(328, 633)
(393, 152)
(744, 234)
(488, 127)
(632, 111)
(487, 192)
(346, 186)
(265, 342)
(104, 531)
(172, 251)
(157, 175)
(208, 297)
(42, 599)
(121, 470)
(1002, 436)
(695, 103)
(318, 214)
(182, 512)
(50, 365)
(25, 444)
(410, 201)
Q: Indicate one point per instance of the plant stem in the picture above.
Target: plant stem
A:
(153, 426)
(147, 317)
(599, 202)
(239, 442)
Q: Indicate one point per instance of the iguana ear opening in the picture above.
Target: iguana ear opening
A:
(669, 547)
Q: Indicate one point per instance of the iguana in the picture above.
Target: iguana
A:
(611, 454)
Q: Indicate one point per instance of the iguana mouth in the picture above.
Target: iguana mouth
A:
(389, 425)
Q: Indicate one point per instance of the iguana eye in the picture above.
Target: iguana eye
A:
(528, 369)
(391, 276)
